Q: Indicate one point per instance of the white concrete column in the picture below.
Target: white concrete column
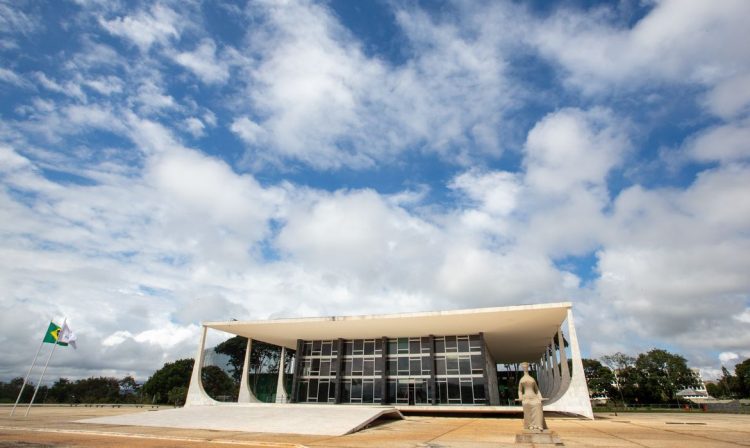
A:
(246, 395)
(196, 395)
(576, 399)
(550, 376)
(564, 370)
(543, 380)
(281, 396)
(555, 371)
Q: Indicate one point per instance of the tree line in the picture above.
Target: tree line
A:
(167, 385)
(656, 377)
(732, 386)
(652, 377)
(89, 390)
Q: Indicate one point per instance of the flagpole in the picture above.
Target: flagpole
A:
(36, 389)
(25, 380)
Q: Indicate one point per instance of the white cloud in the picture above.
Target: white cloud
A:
(145, 28)
(744, 316)
(673, 261)
(678, 41)
(69, 88)
(496, 192)
(323, 101)
(195, 127)
(15, 21)
(106, 85)
(731, 97)
(14, 78)
(204, 64)
(153, 99)
(724, 143)
(572, 147)
(358, 233)
(209, 118)
(247, 130)
(726, 357)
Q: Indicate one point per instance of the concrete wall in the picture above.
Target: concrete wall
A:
(575, 400)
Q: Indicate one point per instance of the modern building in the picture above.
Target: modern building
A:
(436, 361)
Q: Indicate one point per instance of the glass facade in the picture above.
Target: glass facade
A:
(402, 371)
(361, 380)
(459, 370)
(317, 367)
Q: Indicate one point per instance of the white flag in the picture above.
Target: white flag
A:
(67, 335)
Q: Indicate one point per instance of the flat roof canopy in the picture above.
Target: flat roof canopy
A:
(513, 333)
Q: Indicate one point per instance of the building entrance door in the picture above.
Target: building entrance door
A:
(412, 393)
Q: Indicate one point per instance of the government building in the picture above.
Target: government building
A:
(445, 361)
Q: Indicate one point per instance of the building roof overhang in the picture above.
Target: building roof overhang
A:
(512, 333)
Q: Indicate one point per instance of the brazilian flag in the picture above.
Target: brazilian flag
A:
(52, 334)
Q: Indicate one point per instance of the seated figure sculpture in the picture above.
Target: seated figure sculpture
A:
(531, 399)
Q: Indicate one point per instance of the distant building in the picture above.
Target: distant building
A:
(698, 393)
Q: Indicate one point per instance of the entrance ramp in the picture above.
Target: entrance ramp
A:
(310, 419)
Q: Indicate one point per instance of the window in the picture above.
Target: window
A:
(463, 344)
(403, 345)
(327, 348)
(369, 367)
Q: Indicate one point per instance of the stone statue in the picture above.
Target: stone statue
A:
(531, 399)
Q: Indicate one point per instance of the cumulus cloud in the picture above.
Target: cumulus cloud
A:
(695, 42)
(672, 256)
(321, 100)
(571, 147)
(495, 192)
(723, 143)
(731, 97)
(726, 357)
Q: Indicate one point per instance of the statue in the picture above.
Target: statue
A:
(531, 399)
(534, 426)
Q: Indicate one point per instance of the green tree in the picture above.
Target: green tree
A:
(625, 378)
(171, 375)
(714, 390)
(129, 389)
(661, 375)
(599, 378)
(9, 391)
(62, 391)
(164, 385)
(97, 390)
(742, 382)
(177, 395)
(218, 384)
(235, 349)
(264, 359)
(727, 386)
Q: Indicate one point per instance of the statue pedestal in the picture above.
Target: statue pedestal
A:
(539, 437)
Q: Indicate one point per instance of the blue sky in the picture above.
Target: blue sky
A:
(164, 163)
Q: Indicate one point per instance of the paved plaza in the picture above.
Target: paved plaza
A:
(58, 427)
